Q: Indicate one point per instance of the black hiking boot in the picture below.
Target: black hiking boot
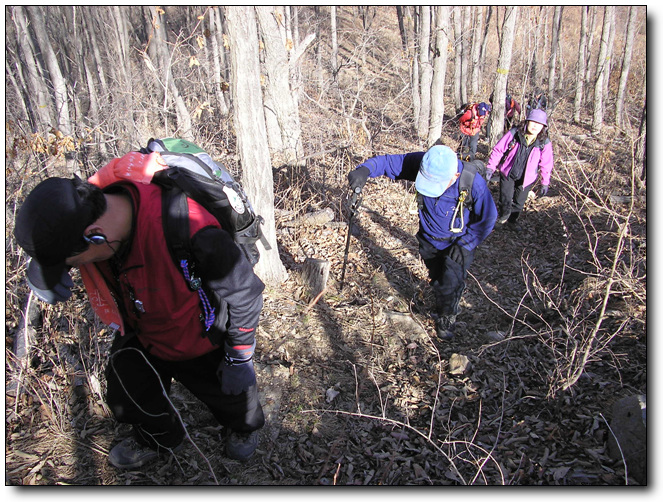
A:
(444, 326)
(129, 454)
(512, 225)
(241, 445)
(502, 219)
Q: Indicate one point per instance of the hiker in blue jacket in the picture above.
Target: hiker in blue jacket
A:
(449, 232)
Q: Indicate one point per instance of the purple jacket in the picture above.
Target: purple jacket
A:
(540, 160)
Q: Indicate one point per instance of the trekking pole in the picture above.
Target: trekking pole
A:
(354, 206)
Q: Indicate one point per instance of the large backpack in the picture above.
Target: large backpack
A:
(466, 180)
(193, 173)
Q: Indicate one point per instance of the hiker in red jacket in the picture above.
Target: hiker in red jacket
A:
(511, 112)
(470, 127)
(115, 236)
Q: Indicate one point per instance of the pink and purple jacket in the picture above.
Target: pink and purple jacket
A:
(540, 160)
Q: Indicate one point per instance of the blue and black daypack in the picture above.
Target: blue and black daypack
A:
(193, 173)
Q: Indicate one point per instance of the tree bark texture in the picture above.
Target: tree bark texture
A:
(477, 42)
(466, 55)
(439, 73)
(59, 87)
(277, 88)
(165, 58)
(458, 58)
(334, 39)
(39, 101)
(582, 67)
(554, 47)
(601, 73)
(502, 76)
(425, 72)
(626, 66)
(249, 124)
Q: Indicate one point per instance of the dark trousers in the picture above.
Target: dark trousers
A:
(513, 196)
(447, 276)
(471, 143)
(138, 383)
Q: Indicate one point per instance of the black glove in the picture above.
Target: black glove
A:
(236, 372)
(59, 293)
(456, 253)
(544, 191)
(358, 177)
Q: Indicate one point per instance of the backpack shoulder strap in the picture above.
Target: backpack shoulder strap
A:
(466, 180)
(467, 175)
(175, 216)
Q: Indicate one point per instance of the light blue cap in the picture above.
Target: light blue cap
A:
(438, 167)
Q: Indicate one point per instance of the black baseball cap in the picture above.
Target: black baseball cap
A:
(49, 227)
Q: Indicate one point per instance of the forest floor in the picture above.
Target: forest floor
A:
(356, 388)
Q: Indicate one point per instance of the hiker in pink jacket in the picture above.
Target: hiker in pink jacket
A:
(523, 155)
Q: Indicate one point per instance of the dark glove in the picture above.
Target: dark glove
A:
(358, 177)
(456, 253)
(236, 372)
(544, 191)
(59, 293)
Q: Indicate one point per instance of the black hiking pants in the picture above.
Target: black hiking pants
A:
(447, 276)
(513, 196)
(138, 383)
(471, 143)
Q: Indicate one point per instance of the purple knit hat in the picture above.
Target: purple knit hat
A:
(539, 116)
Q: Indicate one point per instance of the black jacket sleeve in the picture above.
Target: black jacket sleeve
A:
(230, 278)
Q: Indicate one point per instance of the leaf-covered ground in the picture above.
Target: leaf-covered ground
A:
(356, 387)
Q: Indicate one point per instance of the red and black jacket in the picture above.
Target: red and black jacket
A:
(153, 296)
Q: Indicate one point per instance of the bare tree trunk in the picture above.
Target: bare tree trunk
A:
(597, 119)
(536, 74)
(122, 39)
(318, 50)
(484, 45)
(401, 29)
(458, 58)
(277, 87)
(626, 65)
(466, 55)
(215, 27)
(591, 67)
(426, 73)
(416, 70)
(58, 83)
(501, 79)
(641, 144)
(249, 123)
(608, 58)
(334, 40)
(160, 41)
(582, 66)
(439, 74)
(554, 47)
(91, 32)
(40, 102)
(477, 32)
(15, 78)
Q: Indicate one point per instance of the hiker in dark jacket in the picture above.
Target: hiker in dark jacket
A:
(447, 238)
(522, 156)
(115, 237)
(537, 101)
